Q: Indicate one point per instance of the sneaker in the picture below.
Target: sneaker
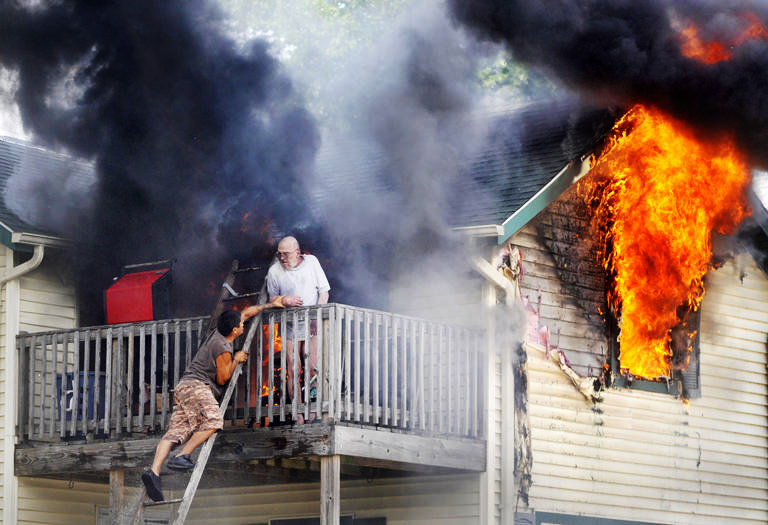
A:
(180, 463)
(313, 393)
(152, 484)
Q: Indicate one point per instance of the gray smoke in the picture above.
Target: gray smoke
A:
(625, 52)
(187, 130)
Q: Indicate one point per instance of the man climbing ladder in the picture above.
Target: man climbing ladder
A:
(196, 414)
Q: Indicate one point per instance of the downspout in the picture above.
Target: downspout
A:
(9, 279)
(24, 268)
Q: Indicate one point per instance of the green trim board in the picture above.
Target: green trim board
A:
(572, 172)
(551, 518)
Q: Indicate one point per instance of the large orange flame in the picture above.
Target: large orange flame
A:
(712, 52)
(661, 191)
(265, 361)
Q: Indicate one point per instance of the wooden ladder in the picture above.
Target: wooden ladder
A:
(227, 294)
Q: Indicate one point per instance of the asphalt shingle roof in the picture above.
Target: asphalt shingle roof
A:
(525, 148)
(22, 160)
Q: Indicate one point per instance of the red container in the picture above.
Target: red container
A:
(139, 296)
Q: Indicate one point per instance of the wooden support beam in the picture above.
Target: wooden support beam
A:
(232, 446)
(116, 496)
(330, 490)
(367, 447)
(123, 499)
(464, 454)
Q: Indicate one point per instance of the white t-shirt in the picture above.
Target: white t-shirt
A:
(307, 280)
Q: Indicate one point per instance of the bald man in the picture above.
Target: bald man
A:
(301, 281)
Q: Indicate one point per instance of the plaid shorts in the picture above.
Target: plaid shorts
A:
(194, 409)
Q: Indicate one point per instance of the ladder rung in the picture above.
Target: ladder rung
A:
(164, 502)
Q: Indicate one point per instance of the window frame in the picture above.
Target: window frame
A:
(686, 383)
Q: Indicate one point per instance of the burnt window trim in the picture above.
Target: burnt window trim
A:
(672, 386)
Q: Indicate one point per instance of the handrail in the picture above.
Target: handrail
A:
(373, 368)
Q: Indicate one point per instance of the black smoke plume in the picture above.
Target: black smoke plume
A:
(625, 52)
(188, 133)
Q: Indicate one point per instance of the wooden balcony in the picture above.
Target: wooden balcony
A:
(394, 392)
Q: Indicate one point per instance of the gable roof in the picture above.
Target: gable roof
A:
(21, 159)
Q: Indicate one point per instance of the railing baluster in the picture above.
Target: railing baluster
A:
(455, 346)
(65, 384)
(108, 384)
(358, 336)
(142, 374)
(284, 366)
(176, 352)
(75, 383)
(55, 394)
(395, 349)
(321, 352)
(329, 376)
(440, 358)
(43, 387)
(338, 362)
(248, 374)
(22, 423)
(465, 353)
(31, 386)
(88, 400)
(404, 376)
(97, 405)
(260, 365)
(348, 363)
(271, 371)
(164, 415)
(431, 379)
(200, 336)
(413, 371)
(307, 364)
(117, 380)
(188, 354)
(385, 372)
(366, 365)
(375, 367)
(473, 387)
(129, 381)
(153, 378)
(422, 382)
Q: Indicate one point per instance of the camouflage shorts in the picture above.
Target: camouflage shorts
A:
(194, 409)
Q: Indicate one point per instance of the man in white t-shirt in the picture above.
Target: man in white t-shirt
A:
(301, 281)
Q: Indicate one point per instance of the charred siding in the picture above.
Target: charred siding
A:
(560, 266)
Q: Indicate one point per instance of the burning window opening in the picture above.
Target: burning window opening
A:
(658, 192)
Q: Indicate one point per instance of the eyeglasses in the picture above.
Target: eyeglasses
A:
(280, 255)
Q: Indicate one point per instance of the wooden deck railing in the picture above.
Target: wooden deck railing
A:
(374, 368)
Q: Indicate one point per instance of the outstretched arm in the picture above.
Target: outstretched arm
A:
(256, 309)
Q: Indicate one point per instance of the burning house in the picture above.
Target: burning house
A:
(558, 429)
(602, 358)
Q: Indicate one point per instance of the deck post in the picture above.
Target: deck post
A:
(118, 510)
(330, 490)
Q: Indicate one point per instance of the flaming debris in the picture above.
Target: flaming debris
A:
(714, 51)
(659, 192)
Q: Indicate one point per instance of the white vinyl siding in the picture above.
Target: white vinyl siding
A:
(433, 500)
(48, 501)
(47, 302)
(649, 457)
(584, 342)
(4, 254)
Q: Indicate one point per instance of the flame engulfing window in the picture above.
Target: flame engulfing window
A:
(658, 192)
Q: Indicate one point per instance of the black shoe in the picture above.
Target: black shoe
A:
(152, 484)
(180, 463)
